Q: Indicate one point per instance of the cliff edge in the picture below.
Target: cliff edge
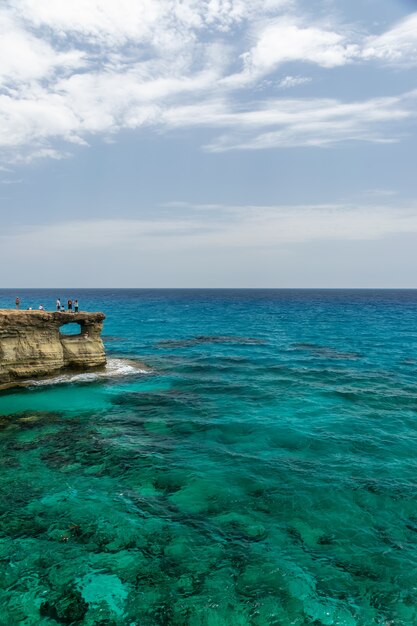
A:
(32, 345)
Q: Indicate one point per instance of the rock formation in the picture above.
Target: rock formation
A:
(31, 344)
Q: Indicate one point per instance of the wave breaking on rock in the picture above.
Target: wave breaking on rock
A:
(115, 368)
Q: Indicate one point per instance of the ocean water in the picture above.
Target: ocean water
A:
(262, 471)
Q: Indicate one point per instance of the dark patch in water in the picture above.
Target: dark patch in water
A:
(68, 608)
(203, 339)
(358, 571)
(412, 525)
(325, 540)
(156, 401)
(388, 540)
(55, 459)
(18, 446)
(326, 352)
(8, 461)
(295, 534)
(29, 419)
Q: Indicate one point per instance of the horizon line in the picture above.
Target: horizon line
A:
(211, 288)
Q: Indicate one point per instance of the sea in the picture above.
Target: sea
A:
(248, 457)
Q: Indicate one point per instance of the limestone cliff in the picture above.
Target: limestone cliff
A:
(32, 345)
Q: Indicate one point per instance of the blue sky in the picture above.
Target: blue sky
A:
(208, 143)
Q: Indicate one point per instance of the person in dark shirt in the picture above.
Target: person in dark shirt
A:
(69, 305)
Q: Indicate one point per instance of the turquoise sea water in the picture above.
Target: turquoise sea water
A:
(264, 472)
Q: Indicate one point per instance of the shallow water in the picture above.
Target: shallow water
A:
(262, 472)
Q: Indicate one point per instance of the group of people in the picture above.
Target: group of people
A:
(73, 306)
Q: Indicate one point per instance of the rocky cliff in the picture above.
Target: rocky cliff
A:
(32, 345)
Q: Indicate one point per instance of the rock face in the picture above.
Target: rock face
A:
(31, 344)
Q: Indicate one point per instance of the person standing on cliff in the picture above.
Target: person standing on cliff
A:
(70, 305)
(17, 301)
(58, 304)
(75, 306)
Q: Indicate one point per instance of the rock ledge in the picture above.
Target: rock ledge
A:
(31, 344)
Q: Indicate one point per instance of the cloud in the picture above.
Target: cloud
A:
(397, 45)
(72, 70)
(221, 245)
(161, 23)
(25, 58)
(293, 81)
(380, 192)
(296, 122)
(91, 104)
(218, 227)
(289, 39)
(286, 41)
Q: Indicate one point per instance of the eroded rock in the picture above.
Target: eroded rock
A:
(31, 344)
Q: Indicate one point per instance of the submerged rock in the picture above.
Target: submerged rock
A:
(203, 339)
(69, 608)
(31, 344)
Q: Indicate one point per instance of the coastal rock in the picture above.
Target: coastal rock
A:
(31, 344)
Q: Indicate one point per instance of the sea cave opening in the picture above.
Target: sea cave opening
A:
(72, 329)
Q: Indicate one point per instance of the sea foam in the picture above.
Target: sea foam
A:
(114, 368)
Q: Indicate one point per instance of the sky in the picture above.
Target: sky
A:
(208, 143)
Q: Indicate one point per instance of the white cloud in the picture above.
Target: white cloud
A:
(380, 192)
(157, 22)
(398, 45)
(69, 70)
(296, 122)
(293, 81)
(217, 227)
(289, 39)
(102, 21)
(285, 41)
(90, 104)
(220, 245)
(25, 58)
